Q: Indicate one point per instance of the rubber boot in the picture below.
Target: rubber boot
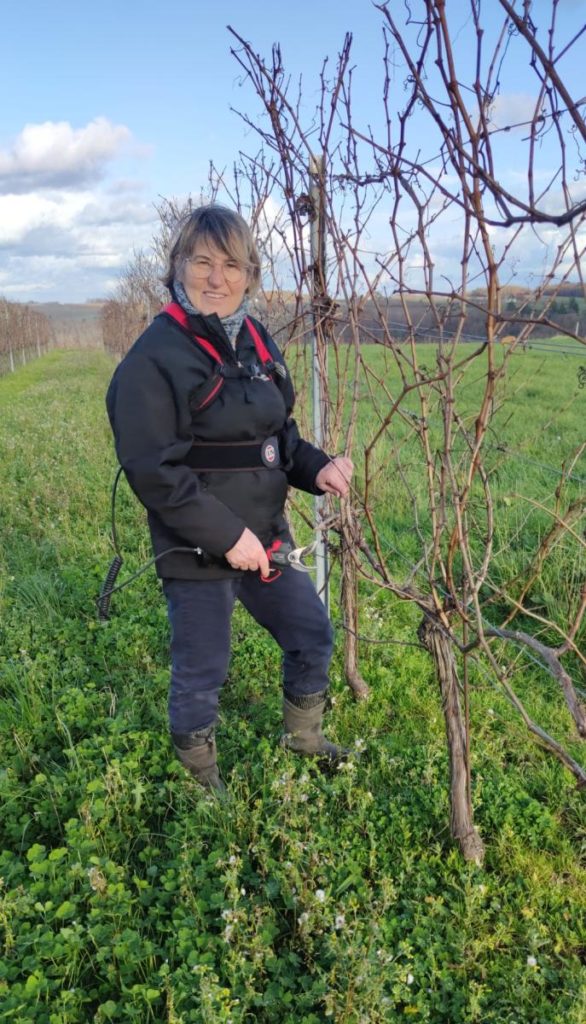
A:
(197, 751)
(302, 718)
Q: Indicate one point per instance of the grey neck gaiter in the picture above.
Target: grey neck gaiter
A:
(231, 324)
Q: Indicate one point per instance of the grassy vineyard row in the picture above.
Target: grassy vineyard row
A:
(128, 896)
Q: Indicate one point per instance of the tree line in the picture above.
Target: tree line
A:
(25, 332)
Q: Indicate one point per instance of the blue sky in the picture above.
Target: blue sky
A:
(108, 106)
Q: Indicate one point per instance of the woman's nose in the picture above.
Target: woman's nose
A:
(216, 274)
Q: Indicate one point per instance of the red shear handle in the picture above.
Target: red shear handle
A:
(277, 554)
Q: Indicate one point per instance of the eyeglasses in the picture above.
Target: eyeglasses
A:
(231, 269)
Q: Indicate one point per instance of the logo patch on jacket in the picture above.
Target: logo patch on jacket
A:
(269, 452)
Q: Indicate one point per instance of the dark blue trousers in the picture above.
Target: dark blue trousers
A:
(200, 614)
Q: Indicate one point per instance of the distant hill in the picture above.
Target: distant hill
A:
(74, 324)
(65, 312)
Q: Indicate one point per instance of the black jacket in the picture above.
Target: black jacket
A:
(152, 404)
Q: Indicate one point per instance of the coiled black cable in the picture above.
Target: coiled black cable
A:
(108, 588)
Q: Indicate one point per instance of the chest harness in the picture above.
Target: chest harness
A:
(224, 456)
(230, 455)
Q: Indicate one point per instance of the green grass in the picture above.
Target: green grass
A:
(129, 896)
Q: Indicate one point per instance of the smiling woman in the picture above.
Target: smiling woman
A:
(213, 264)
(201, 412)
(213, 283)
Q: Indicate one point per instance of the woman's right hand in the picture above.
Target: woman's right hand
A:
(249, 554)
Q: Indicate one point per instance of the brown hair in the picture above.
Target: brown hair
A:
(221, 227)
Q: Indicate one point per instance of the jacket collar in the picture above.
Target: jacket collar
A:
(211, 327)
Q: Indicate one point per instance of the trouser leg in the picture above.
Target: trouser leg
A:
(199, 614)
(294, 615)
(290, 609)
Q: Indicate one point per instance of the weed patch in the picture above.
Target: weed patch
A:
(129, 895)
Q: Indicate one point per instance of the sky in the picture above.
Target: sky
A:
(108, 106)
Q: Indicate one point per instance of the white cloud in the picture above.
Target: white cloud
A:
(55, 154)
(71, 222)
(68, 246)
(511, 109)
(21, 214)
(67, 222)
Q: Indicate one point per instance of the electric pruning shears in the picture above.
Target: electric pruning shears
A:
(282, 553)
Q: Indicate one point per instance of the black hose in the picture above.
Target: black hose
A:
(107, 588)
(113, 516)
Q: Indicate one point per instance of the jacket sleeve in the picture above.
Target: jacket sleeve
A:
(303, 460)
(143, 415)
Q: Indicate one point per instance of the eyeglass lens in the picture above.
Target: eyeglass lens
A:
(203, 267)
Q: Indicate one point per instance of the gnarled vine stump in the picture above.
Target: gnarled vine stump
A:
(436, 641)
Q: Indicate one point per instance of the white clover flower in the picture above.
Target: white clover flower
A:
(243, 891)
(228, 932)
(303, 798)
(409, 979)
(320, 895)
(340, 921)
(97, 880)
(531, 961)
(304, 778)
(227, 915)
(360, 744)
(232, 859)
(303, 918)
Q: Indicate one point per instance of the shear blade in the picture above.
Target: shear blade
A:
(298, 554)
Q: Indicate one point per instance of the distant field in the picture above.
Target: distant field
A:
(128, 896)
(67, 311)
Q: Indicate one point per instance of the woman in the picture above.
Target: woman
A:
(201, 409)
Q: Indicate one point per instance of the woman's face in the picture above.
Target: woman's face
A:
(213, 281)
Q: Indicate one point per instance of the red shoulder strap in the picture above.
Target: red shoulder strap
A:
(261, 350)
(178, 313)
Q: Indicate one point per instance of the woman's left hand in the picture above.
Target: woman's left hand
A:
(335, 476)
